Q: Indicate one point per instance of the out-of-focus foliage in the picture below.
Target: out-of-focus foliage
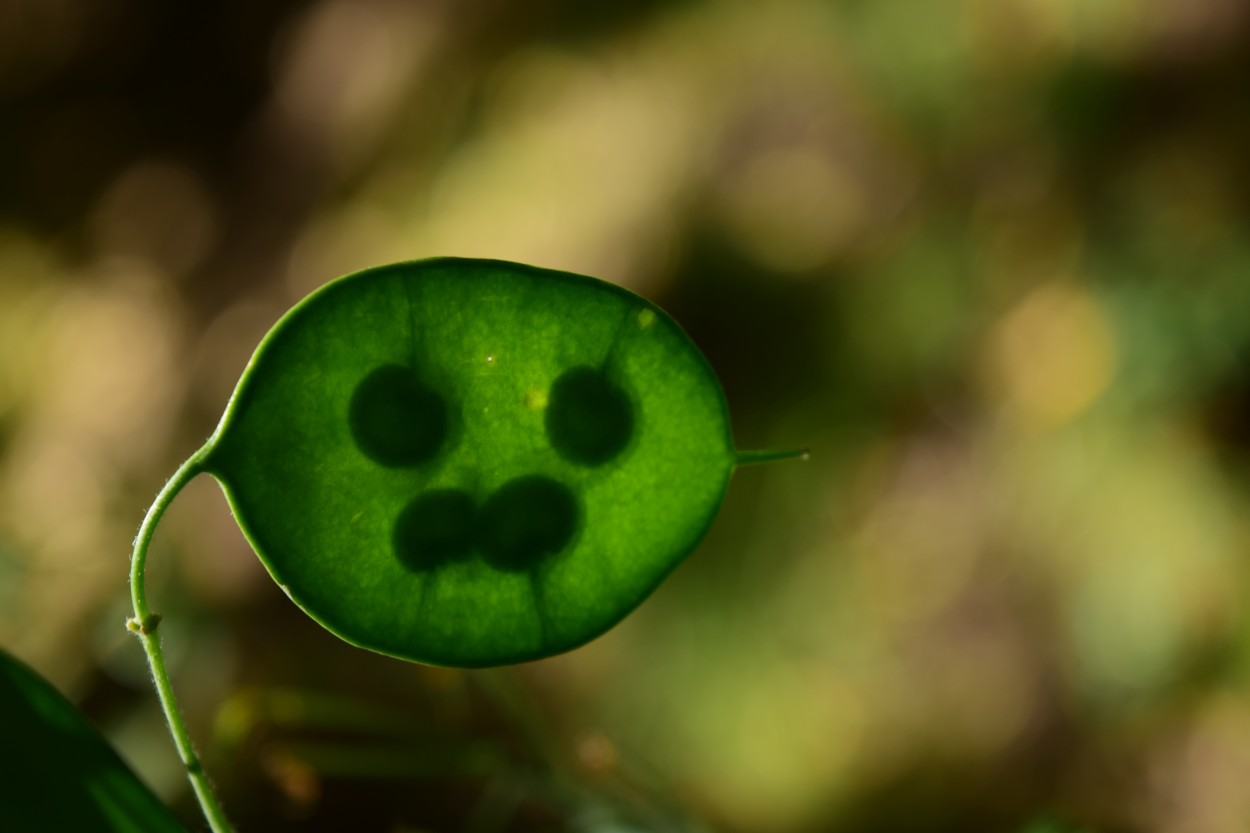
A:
(989, 258)
(57, 773)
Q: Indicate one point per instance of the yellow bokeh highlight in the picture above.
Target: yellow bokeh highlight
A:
(793, 209)
(1053, 355)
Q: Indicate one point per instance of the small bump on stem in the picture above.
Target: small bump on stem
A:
(144, 627)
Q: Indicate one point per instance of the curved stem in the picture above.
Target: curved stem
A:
(144, 625)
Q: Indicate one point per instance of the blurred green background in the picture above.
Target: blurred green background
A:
(989, 259)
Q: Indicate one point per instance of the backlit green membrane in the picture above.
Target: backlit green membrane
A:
(473, 462)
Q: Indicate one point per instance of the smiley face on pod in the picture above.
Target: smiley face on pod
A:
(468, 463)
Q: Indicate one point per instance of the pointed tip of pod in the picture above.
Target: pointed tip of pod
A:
(747, 458)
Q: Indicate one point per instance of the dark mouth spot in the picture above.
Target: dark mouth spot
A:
(525, 521)
(435, 529)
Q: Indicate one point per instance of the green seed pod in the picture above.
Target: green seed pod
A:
(471, 463)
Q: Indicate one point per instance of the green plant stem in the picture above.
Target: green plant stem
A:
(748, 458)
(144, 625)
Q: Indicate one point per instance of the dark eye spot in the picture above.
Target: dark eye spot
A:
(397, 420)
(435, 529)
(589, 418)
(525, 521)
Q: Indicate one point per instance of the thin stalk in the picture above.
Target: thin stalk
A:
(747, 458)
(144, 625)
